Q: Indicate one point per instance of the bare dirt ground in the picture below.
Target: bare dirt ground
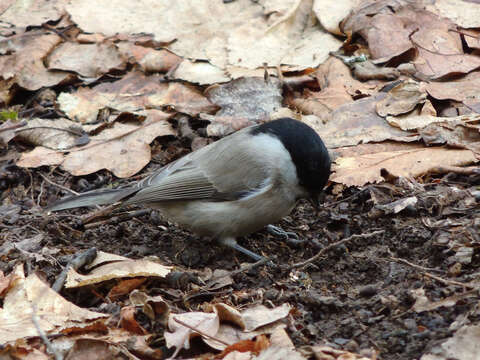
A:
(358, 296)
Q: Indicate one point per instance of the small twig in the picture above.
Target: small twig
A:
(470, 170)
(58, 185)
(43, 336)
(119, 218)
(99, 214)
(200, 332)
(77, 262)
(346, 199)
(403, 261)
(14, 126)
(450, 282)
(329, 247)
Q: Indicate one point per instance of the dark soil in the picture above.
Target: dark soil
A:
(357, 297)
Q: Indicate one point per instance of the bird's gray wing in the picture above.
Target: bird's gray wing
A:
(214, 172)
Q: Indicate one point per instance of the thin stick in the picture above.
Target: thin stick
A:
(42, 334)
(58, 185)
(329, 247)
(77, 262)
(449, 282)
(403, 261)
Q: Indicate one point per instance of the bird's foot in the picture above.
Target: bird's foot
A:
(232, 243)
(289, 237)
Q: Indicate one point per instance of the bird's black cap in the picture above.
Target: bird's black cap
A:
(307, 150)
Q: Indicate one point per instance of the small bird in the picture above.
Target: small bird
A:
(232, 187)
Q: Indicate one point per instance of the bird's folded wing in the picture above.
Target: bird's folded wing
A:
(196, 180)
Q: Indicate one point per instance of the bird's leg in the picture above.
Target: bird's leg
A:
(289, 237)
(232, 243)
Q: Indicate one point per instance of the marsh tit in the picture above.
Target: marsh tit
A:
(232, 187)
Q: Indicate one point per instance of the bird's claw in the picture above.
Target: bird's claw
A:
(288, 236)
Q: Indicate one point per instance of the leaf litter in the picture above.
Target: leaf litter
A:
(389, 85)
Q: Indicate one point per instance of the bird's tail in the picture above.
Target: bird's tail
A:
(95, 197)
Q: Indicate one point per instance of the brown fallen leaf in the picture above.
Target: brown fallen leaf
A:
(29, 297)
(472, 38)
(236, 326)
(402, 99)
(33, 14)
(180, 335)
(463, 13)
(280, 353)
(123, 148)
(128, 321)
(200, 72)
(133, 93)
(25, 60)
(440, 54)
(149, 60)
(324, 352)
(463, 345)
(252, 346)
(243, 102)
(125, 287)
(464, 89)
(331, 13)
(117, 270)
(87, 60)
(204, 30)
(358, 170)
(378, 23)
(355, 123)
(387, 37)
(40, 156)
(55, 134)
(422, 303)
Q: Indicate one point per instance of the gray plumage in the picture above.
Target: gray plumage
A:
(230, 188)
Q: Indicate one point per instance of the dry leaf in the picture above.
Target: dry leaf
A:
(55, 134)
(260, 315)
(463, 13)
(24, 62)
(117, 270)
(133, 93)
(422, 303)
(123, 149)
(324, 352)
(358, 170)
(379, 24)
(150, 60)
(243, 102)
(331, 13)
(402, 99)
(25, 13)
(40, 156)
(199, 72)
(53, 312)
(464, 89)
(440, 54)
(463, 345)
(279, 353)
(205, 30)
(88, 60)
(180, 335)
(355, 123)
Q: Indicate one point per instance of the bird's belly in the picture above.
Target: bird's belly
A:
(228, 218)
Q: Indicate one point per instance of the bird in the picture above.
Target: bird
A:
(232, 187)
